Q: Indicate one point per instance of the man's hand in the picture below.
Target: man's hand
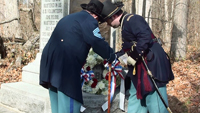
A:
(112, 58)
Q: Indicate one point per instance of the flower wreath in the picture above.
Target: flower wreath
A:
(90, 83)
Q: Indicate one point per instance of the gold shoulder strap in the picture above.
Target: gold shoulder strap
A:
(123, 19)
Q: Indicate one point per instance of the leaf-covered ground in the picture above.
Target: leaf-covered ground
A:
(9, 73)
(183, 91)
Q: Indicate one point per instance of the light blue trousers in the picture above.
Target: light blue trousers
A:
(151, 103)
(61, 103)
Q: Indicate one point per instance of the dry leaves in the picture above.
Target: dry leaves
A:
(9, 73)
(184, 90)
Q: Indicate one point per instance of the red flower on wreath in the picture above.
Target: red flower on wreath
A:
(88, 68)
(104, 62)
(106, 77)
(94, 83)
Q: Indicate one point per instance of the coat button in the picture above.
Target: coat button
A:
(62, 40)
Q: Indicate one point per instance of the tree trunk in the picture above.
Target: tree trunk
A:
(179, 32)
(148, 12)
(133, 10)
(169, 5)
(2, 49)
(139, 7)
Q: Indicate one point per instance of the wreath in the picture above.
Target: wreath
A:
(94, 75)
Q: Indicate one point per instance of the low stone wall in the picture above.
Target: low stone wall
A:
(93, 103)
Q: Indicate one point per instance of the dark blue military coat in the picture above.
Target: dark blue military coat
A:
(67, 50)
(136, 29)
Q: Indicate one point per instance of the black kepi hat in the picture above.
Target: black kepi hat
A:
(95, 6)
(109, 9)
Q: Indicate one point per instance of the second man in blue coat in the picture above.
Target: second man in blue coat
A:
(139, 41)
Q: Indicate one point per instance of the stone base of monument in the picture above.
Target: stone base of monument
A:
(25, 97)
(31, 98)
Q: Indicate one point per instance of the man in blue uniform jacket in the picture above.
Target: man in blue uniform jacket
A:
(65, 54)
(139, 41)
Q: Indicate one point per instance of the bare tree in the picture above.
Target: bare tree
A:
(148, 12)
(139, 7)
(169, 6)
(179, 32)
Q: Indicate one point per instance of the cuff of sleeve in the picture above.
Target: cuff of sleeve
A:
(113, 56)
(135, 55)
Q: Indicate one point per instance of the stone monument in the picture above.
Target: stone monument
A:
(51, 12)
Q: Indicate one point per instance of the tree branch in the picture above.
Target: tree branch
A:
(9, 21)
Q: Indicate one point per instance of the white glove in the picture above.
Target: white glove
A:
(123, 59)
(131, 61)
(127, 60)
